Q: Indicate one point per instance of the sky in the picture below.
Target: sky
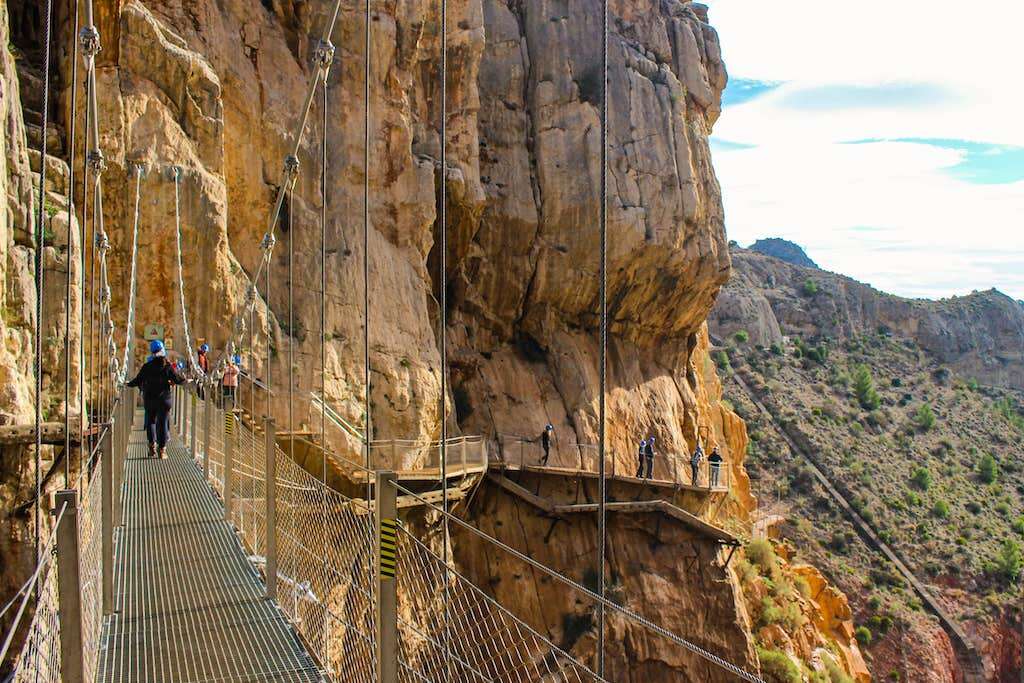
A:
(887, 140)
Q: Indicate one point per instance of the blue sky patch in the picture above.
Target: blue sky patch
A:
(740, 90)
(981, 163)
(720, 145)
(880, 96)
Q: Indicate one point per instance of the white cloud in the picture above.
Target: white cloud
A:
(886, 213)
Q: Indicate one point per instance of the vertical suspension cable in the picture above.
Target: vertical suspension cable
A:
(367, 436)
(323, 314)
(70, 200)
(40, 246)
(603, 355)
(443, 319)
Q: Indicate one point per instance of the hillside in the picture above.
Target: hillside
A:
(894, 401)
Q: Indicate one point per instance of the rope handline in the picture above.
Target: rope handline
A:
(132, 282)
(323, 306)
(603, 355)
(323, 57)
(70, 201)
(561, 578)
(40, 247)
(367, 424)
(190, 356)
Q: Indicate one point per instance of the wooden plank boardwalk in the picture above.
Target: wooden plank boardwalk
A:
(189, 607)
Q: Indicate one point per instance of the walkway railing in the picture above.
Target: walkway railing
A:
(515, 450)
(326, 554)
(72, 584)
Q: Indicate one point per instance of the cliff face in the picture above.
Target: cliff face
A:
(981, 336)
(214, 87)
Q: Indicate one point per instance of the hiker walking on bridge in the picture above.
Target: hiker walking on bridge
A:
(203, 359)
(641, 456)
(545, 442)
(154, 380)
(695, 460)
(229, 383)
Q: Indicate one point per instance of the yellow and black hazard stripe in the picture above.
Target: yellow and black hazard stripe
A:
(229, 423)
(388, 548)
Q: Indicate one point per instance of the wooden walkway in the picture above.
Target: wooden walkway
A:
(189, 607)
(499, 466)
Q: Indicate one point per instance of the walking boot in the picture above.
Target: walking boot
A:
(163, 453)
(152, 450)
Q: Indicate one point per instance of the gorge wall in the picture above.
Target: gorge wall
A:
(214, 87)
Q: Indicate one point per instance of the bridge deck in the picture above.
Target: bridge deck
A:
(189, 606)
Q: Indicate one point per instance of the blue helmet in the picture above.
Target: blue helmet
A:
(156, 346)
(203, 348)
(643, 442)
(236, 359)
(651, 439)
(549, 427)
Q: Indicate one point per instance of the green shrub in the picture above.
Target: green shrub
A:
(810, 287)
(776, 348)
(974, 507)
(1009, 562)
(721, 360)
(924, 418)
(863, 635)
(1003, 508)
(940, 509)
(1018, 525)
(921, 478)
(761, 553)
(864, 388)
(988, 469)
(777, 667)
(742, 337)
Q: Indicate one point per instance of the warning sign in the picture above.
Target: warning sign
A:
(153, 331)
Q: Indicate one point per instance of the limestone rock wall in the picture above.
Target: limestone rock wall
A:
(214, 87)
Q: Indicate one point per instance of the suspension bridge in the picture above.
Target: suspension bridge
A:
(230, 561)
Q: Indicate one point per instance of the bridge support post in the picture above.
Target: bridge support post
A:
(193, 423)
(386, 518)
(270, 488)
(107, 519)
(207, 433)
(69, 589)
(115, 465)
(230, 432)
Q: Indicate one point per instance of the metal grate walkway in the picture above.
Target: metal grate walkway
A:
(189, 606)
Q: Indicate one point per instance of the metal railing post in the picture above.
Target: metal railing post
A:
(107, 521)
(271, 509)
(69, 589)
(116, 474)
(207, 434)
(193, 423)
(386, 518)
(230, 432)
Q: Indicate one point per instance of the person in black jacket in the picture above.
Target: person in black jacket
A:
(545, 442)
(155, 379)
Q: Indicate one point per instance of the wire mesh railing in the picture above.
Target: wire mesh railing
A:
(472, 638)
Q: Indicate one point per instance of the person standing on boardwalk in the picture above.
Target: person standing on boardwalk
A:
(695, 460)
(641, 457)
(229, 383)
(155, 380)
(545, 442)
(649, 456)
(714, 464)
(203, 359)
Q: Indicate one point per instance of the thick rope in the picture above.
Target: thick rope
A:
(603, 356)
(367, 424)
(323, 56)
(129, 328)
(190, 355)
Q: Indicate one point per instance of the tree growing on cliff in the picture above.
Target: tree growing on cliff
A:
(864, 388)
(1009, 562)
(925, 417)
(988, 469)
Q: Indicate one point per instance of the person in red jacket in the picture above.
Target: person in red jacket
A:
(203, 358)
